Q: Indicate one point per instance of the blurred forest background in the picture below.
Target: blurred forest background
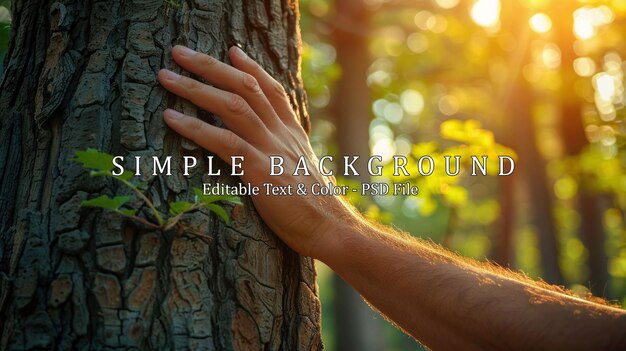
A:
(541, 80)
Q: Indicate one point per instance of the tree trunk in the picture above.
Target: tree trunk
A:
(533, 167)
(502, 252)
(81, 74)
(591, 230)
(518, 99)
(358, 327)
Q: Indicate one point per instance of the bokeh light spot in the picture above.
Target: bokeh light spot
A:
(447, 4)
(540, 23)
(584, 66)
(551, 56)
(448, 105)
(565, 188)
(605, 86)
(486, 13)
(417, 42)
(412, 101)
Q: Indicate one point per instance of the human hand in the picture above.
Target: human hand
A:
(261, 123)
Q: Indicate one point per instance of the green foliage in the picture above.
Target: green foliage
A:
(468, 139)
(106, 202)
(319, 69)
(219, 211)
(467, 132)
(100, 164)
(94, 160)
(209, 202)
(210, 199)
(179, 207)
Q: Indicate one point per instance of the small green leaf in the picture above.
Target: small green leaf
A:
(201, 197)
(100, 163)
(209, 199)
(219, 211)
(94, 159)
(104, 201)
(234, 199)
(179, 207)
(99, 173)
(140, 185)
(126, 175)
(128, 211)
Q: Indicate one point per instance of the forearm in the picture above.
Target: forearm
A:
(449, 303)
(397, 277)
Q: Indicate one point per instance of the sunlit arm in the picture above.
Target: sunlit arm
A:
(450, 303)
(444, 301)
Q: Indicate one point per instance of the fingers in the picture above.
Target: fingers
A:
(274, 91)
(228, 78)
(220, 141)
(232, 108)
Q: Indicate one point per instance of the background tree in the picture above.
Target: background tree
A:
(81, 74)
(518, 100)
(358, 326)
(572, 127)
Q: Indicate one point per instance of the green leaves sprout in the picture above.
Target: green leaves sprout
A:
(100, 164)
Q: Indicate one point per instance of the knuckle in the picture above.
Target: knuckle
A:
(208, 60)
(250, 83)
(197, 126)
(295, 128)
(231, 141)
(197, 130)
(279, 89)
(193, 85)
(236, 103)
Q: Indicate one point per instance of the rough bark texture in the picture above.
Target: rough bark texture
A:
(81, 74)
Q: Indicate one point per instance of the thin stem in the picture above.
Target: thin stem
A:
(144, 198)
(200, 234)
(140, 220)
(172, 221)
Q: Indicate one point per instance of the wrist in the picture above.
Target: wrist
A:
(338, 236)
(328, 243)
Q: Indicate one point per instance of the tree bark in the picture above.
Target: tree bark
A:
(81, 74)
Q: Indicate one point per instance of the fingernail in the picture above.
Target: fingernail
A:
(169, 75)
(240, 53)
(185, 51)
(173, 114)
